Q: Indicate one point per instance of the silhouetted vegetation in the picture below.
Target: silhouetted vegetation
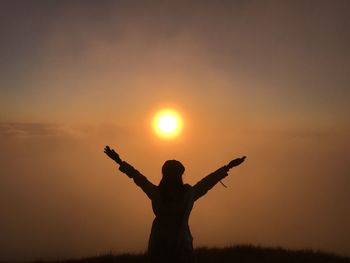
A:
(236, 254)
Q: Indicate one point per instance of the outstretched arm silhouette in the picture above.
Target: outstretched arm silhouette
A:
(208, 182)
(139, 179)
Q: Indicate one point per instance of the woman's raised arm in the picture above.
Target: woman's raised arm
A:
(208, 182)
(139, 179)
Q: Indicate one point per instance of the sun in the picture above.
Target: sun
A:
(167, 123)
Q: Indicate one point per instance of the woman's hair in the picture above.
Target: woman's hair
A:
(172, 177)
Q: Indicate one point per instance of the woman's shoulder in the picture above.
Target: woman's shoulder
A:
(187, 186)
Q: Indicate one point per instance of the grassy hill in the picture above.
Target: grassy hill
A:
(236, 254)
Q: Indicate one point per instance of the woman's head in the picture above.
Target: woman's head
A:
(173, 168)
(172, 171)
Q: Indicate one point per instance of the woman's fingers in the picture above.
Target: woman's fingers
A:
(108, 151)
(111, 153)
(236, 162)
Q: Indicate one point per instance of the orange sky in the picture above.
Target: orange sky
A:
(269, 80)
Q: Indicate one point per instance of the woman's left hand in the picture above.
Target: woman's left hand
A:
(112, 154)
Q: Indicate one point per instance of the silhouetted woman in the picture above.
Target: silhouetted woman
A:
(172, 202)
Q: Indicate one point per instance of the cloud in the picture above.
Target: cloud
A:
(15, 129)
(27, 129)
(299, 132)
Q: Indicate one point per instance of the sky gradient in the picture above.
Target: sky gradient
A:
(266, 79)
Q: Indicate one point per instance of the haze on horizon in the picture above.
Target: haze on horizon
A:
(266, 79)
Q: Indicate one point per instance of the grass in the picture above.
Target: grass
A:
(236, 254)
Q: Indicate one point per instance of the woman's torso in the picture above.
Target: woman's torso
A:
(171, 239)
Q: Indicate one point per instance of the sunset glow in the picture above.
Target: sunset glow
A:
(201, 82)
(167, 123)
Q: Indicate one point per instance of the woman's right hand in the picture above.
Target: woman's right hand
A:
(112, 154)
(236, 162)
